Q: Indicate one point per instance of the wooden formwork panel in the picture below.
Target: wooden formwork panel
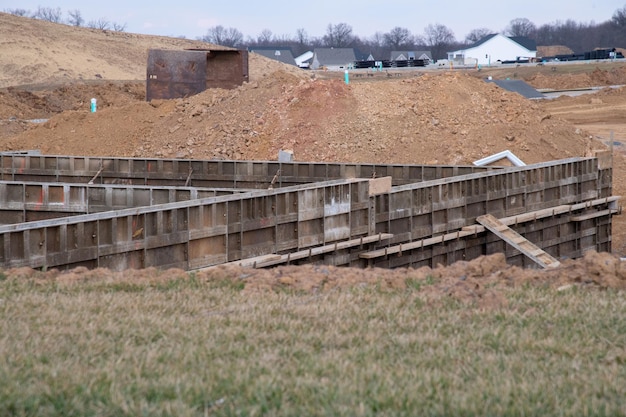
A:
(223, 229)
(205, 173)
(558, 235)
(419, 211)
(194, 233)
(21, 202)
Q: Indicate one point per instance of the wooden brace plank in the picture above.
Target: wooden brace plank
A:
(477, 228)
(275, 259)
(593, 215)
(516, 240)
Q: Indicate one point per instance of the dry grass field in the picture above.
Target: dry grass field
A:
(185, 345)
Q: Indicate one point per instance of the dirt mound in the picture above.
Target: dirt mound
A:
(553, 50)
(18, 103)
(607, 95)
(596, 78)
(477, 281)
(448, 118)
(35, 51)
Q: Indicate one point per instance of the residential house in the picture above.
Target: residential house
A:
(304, 60)
(278, 53)
(425, 56)
(495, 48)
(364, 60)
(363, 56)
(333, 59)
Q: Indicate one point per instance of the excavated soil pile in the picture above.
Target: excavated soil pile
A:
(464, 280)
(448, 118)
(33, 52)
(596, 78)
(547, 51)
(480, 282)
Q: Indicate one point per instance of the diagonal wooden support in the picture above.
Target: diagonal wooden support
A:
(518, 241)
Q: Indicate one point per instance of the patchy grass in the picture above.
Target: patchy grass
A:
(194, 348)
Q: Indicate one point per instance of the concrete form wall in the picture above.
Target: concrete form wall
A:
(554, 191)
(564, 207)
(209, 173)
(30, 201)
(196, 233)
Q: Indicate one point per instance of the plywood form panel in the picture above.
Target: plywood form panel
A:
(204, 173)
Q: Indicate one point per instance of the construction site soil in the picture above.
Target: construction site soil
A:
(435, 116)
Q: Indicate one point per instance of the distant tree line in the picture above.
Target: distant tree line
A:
(437, 38)
(74, 18)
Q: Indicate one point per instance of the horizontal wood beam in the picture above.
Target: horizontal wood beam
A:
(275, 259)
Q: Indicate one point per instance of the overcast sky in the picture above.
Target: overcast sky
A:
(192, 18)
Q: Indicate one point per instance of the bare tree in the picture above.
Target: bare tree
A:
(49, 14)
(398, 38)
(520, 27)
(76, 18)
(338, 36)
(101, 24)
(376, 46)
(281, 39)
(619, 17)
(377, 39)
(438, 38)
(119, 27)
(477, 34)
(265, 37)
(18, 12)
(220, 35)
(302, 36)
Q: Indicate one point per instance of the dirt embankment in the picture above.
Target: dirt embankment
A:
(447, 118)
(34, 52)
(481, 282)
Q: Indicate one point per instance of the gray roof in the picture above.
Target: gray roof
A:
(409, 54)
(282, 54)
(518, 86)
(527, 43)
(481, 41)
(334, 56)
(361, 56)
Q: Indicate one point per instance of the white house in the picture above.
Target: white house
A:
(304, 60)
(495, 48)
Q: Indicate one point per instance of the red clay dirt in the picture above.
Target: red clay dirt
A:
(409, 117)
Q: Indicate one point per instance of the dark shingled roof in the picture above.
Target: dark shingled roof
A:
(481, 41)
(334, 56)
(527, 43)
(278, 53)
